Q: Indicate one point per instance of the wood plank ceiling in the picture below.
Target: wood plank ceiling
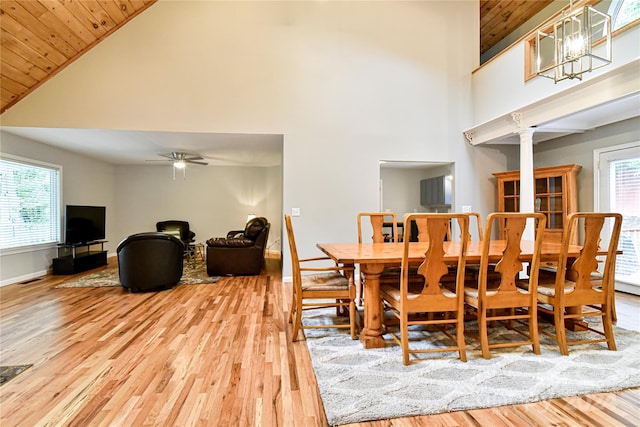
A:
(41, 37)
(498, 18)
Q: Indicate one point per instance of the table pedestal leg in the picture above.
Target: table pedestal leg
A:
(371, 334)
(575, 324)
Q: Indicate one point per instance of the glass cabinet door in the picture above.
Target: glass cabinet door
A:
(511, 196)
(555, 195)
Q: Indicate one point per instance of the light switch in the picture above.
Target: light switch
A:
(295, 211)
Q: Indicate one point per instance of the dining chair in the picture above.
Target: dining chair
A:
(577, 290)
(505, 301)
(324, 287)
(471, 271)
(377, 221)
(474, 217)
(429, 302)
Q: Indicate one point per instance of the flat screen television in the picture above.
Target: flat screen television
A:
(84, 224)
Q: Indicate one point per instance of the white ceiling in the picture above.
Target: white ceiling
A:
(126, 147)
(614, 111)
(588, 119)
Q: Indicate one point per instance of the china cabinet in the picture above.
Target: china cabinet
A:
(555, 192)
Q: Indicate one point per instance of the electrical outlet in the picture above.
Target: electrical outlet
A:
(295, 211)
(466, 208)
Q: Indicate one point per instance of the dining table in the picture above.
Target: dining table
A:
(372, 259)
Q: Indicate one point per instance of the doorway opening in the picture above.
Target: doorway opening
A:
(404, 187)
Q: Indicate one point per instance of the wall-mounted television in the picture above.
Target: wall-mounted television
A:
(84, 224)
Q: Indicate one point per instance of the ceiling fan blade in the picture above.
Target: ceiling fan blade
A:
(179, 156)
(196, 163)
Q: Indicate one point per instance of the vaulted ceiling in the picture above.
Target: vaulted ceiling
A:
(498, 18)
(39, 38)
(42, 37)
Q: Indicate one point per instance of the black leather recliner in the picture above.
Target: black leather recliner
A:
(241, 253)
(148, 261)
(177, 227)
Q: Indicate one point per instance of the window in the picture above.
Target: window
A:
(29, 203)
(618, 190)
(624, 12)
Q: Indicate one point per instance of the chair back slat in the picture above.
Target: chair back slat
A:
(587, 262)
(377, 220)
(421, 225)
(473, 216)
(433, 268)
(434, 228)
(509, 265)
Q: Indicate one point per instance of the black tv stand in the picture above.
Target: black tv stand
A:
(79, 257)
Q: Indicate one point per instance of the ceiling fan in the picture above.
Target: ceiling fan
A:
(179, 160)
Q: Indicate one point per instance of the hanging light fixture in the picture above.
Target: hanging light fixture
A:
(578, 43)
(180, 164)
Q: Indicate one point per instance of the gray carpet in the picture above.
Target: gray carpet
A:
(357, 385)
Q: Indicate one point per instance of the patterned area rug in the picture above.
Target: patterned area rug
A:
(191, 275)
(7, 373)
(359, 385)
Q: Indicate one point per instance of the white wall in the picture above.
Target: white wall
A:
(499, 86)
(347, 83)
(85, 181)
(213, 199)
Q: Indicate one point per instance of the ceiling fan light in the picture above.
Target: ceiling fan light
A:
(179, 164)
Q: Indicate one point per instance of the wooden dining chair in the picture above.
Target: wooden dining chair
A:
(377, 221)
(506, 302)
(325, 287)
(471, 271)
(474, 217)
(577, 290)
(429, 302)
(376, 224)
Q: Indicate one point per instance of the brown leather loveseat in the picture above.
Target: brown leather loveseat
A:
(241, 253)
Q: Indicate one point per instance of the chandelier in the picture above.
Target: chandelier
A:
(579, 42)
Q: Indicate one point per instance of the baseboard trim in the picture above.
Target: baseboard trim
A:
(25, 278)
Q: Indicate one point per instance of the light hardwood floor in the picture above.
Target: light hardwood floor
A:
(208, 355)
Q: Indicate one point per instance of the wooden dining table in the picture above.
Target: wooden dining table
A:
(374, 257)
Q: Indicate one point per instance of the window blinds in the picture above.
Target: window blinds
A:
(624, 190)
(29, 203)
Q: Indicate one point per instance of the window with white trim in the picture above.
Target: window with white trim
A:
(617, 189)
(29, 203)
(623, 12)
